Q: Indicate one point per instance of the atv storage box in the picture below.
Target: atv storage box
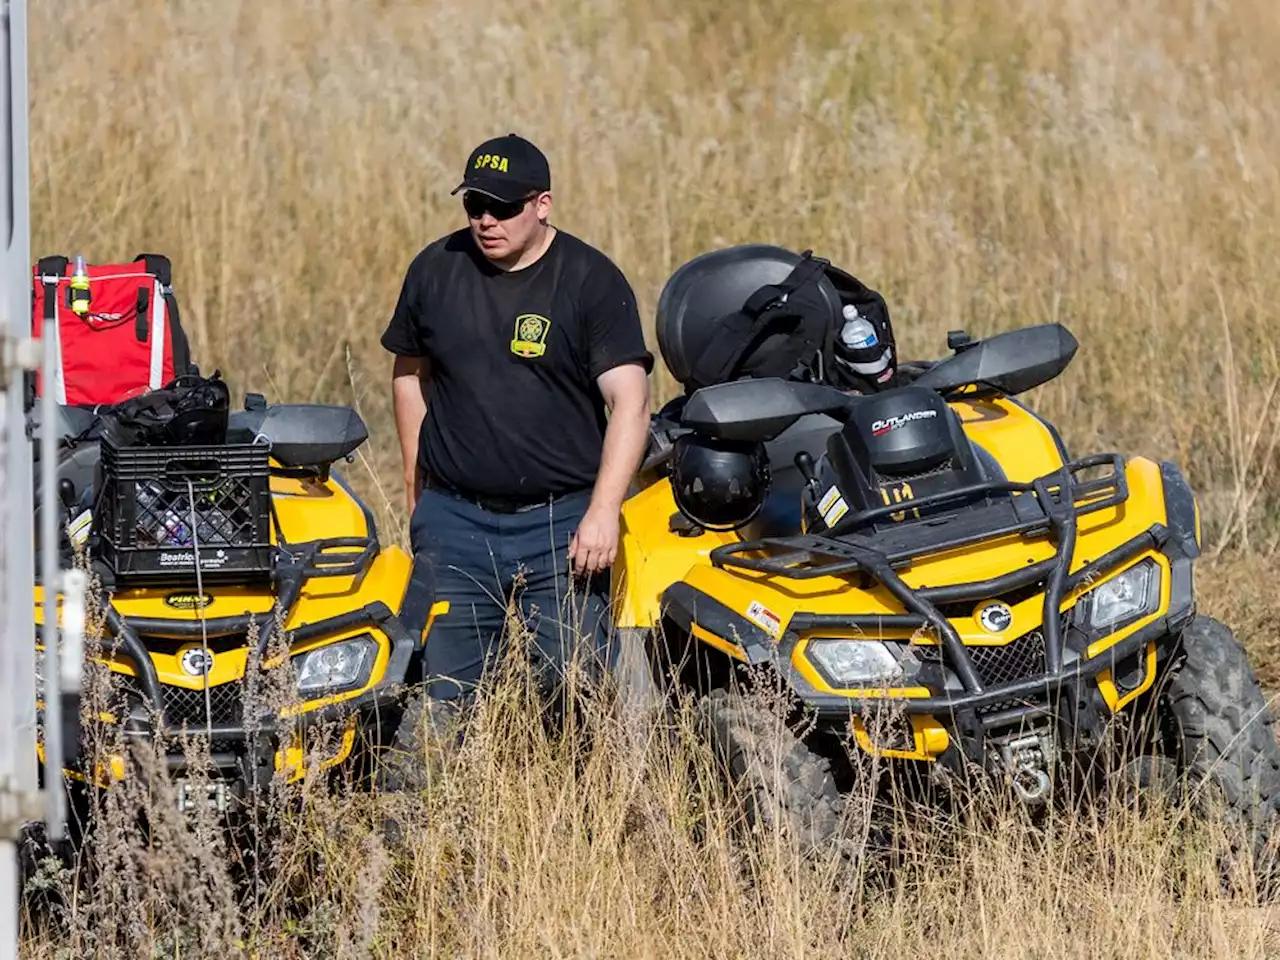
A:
(145, 516)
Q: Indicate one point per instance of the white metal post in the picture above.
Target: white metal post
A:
(15, 301)
(18, 779)
(50, 667)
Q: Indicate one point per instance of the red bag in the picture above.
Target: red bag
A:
(131, 339)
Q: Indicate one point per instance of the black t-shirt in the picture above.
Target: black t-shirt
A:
(513, 409)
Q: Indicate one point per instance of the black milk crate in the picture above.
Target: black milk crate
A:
(143, 513)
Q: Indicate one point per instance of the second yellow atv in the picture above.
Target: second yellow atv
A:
(933, 577)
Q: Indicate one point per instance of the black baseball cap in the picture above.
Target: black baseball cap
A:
(508, 168)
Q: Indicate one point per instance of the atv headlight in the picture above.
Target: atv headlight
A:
(855, 663)
(1126, 597)
(336, 667)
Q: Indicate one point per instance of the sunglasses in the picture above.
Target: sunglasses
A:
(478, 204)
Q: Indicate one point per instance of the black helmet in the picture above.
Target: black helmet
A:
(751, 310)
(719, 484)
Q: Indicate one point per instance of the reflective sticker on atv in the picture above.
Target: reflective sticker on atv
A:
(828, 498)
(78, 529)
(765, 618)
(832, 506)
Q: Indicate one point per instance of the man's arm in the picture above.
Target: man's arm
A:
(625, 389)
(408, 392)
(404, 337)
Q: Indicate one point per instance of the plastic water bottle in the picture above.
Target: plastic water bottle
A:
(179, 534)
(860, 348)
(148, 524)
(858, 333)
(80, 287)
(166, 528)
(216, 528)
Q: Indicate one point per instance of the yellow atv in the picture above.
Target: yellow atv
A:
(932, 577)
(287, 625)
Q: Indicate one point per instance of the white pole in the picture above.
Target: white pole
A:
(17, 686)
(51, 667)
(17, 632)
(15, 305)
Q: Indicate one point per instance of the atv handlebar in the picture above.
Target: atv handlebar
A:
(1029, 514)
(1042, 487)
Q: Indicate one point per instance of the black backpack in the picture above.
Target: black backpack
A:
(788, 329)
(190, 410)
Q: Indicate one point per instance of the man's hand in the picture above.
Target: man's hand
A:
(625, 390)
(595, 543)
(413, 488)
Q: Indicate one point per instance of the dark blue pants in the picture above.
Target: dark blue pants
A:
(481, 562)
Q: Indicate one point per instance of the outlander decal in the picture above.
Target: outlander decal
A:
(881, 427)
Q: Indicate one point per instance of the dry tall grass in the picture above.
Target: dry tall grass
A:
(577, 839)
(1112, 165)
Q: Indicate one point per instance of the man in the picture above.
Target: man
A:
(511, 338)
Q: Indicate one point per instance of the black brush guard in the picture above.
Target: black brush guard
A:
(1050, 505)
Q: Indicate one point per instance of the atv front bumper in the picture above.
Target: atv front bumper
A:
(245, 757)
(960, 708)
(952, 726)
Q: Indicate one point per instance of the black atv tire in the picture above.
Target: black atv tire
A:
(405, 766)
(1220, 729)
(788, 786)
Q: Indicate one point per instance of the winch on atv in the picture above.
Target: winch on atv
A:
(1026, 760)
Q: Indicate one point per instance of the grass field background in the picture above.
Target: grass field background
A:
(1110, 165)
